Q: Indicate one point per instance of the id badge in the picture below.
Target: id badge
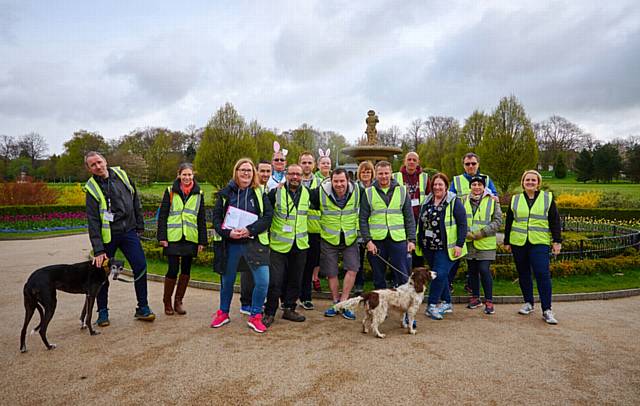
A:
(429, 234)
(108, 216)
(415, 202)
(287, 228)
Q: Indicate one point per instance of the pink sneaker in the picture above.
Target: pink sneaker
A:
(255, 322)
(221, 318)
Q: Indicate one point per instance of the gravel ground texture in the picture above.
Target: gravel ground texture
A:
(591, 357)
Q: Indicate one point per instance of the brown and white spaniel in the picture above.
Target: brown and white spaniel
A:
(407, 297)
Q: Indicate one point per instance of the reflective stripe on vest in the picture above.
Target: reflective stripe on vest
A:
(462, 184)
(313, 216)
(334, 220)
(289, 223)
(94, 190)
(385, 219)
(479, 220)
(183, 218)
(530, 224)
(422, 183)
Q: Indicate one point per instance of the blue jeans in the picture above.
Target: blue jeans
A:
(396, 254)
(129, 244)
(533, 257)
(440, 264)
(260, 278)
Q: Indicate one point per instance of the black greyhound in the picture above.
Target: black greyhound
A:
(40, 293)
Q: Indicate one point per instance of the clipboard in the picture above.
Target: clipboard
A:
(238, 218)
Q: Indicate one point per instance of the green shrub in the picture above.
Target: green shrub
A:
(55, 208)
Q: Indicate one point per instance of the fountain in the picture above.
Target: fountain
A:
(372, 151)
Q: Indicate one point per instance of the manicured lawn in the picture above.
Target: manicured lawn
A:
(570, 185)
(32, 236)
(574, 284)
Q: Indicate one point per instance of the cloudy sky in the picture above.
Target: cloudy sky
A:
(113, 66)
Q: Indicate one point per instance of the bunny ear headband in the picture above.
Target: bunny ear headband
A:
(276, 148)
(324, 154)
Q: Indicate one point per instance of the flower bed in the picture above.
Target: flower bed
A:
(52, 221)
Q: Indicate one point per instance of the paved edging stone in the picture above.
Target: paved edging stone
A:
(561, 297)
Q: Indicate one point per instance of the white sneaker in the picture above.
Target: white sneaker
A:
(547, 315)
(526, 308)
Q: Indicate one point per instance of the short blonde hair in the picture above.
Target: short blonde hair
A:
(529, 172)
(255, 182)
(365, 165)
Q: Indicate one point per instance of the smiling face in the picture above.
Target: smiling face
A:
(244, 175)
(294, 175)
(439, 188)
(339, 183)
(324, 164)
(366, 175)
(97, 166)
(530, 183)
(264, 173)
(383, 176)
(279, 162)
(186, 177)
(477, 188)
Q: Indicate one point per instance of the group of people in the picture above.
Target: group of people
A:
(283, 226)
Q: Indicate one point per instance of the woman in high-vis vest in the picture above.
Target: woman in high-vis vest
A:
(442, 229)
(182, 231)
(242, 217)
(484, 218)
(533, 225)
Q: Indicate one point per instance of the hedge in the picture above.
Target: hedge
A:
(44, 209)
(600, 213)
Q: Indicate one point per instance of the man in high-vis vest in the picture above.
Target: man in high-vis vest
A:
(289, 245)
(114, 217)
(312, 263)
(246, 278)
(387, 227)
(416, 181)
(460, 185)
(338, 200)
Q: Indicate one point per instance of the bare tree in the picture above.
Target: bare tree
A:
(391, 137)
(8, 148)
(558, 135)
(415, 134)
(32, 146)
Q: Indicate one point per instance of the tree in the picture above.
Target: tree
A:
(606, 162)
(71, 162)
(473, 129)
(224, 141)
(391, 137)
(8, 148)
(443, 147)
(508, 146)
(632, 163)
(557, 135)
(560, 167)
(584, 166)
(32, 146)
(414, 136)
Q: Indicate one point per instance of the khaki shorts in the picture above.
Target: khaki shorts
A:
(329, 255)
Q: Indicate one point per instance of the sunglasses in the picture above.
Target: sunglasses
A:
(279, 160)
(470, 163)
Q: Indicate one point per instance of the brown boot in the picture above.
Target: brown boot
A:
(169, 284)
(183, 282)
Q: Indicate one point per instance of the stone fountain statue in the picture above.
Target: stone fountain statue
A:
(372, 151)
(372, 133)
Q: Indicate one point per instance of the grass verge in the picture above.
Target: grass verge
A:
(600, 282)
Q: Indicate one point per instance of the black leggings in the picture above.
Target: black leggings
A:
(174, 264)
(479, 271)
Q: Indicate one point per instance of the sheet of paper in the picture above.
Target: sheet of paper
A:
(237, 218)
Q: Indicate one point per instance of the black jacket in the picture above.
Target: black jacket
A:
(126, 209)
(165, 207)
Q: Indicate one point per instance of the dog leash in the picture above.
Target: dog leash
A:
(391, 266)
(134, 280)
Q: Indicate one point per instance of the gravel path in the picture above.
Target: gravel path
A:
(591, 357)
